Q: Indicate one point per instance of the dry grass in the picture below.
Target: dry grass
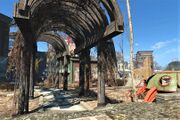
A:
(6, 102)
(7, 106)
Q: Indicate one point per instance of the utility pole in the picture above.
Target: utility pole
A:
(131, 47)
(123, 63)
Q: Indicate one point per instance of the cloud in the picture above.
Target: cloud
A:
(136, 44)
(162, 44)
(173, 50)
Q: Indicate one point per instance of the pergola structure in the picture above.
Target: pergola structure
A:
(88, 22)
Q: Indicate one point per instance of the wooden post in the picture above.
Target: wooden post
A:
(101, 75)
(131, 47)
(65, 83)
(32, 71)
(123, 63)
(57, 75)
(81, 74)
(61, 79)
(85, 72)
(23, 97)
(26, 38)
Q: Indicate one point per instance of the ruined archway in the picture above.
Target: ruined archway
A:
(85, 21)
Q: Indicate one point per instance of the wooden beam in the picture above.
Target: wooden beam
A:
(112, 30)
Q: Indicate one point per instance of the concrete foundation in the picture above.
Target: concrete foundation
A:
(168, 97)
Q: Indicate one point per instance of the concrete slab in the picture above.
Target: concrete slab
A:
(10, 94)
(73, 108)
(56, 100)
(85, 105)
(44, 93)
(37, 90)
(54, 109)
(49, 97)
(167, 97)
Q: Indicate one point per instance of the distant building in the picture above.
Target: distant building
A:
(74, 69)
(143, 64)
(4, 43)
(40, 65)
(4, 35)
(120, 66)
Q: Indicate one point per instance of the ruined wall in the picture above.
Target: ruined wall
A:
(76, 71)
(4, 35)
(146, 70)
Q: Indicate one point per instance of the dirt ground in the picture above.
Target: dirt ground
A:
(6, 102)
(119, 107)
(114, 95)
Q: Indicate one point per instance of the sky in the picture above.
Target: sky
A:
(156, 27)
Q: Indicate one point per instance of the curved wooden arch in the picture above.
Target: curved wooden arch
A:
(84, 20)
(56, 41)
